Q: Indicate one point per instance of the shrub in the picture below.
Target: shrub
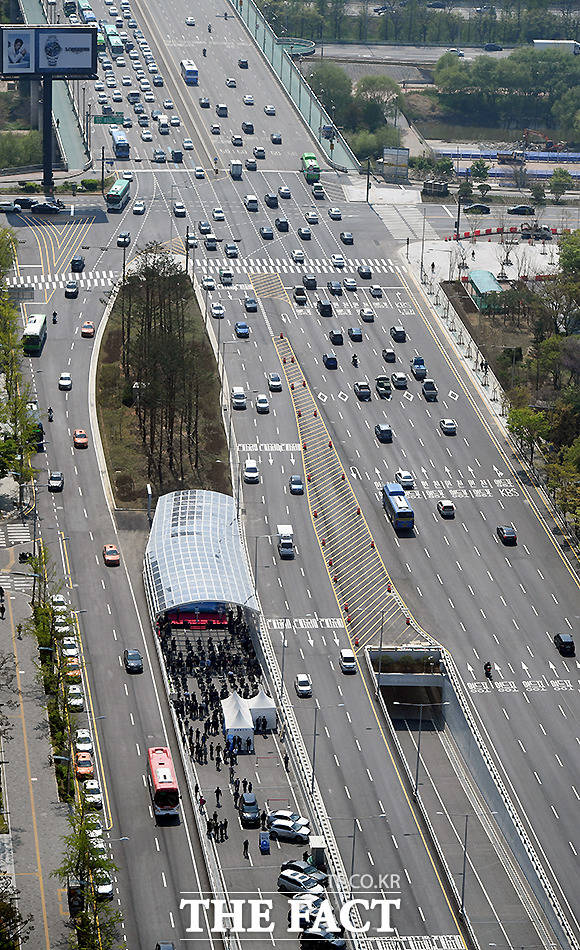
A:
(91, 184)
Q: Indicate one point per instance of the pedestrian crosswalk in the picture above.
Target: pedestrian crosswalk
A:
(17, 533)
(59, 281)
(261, 265)
(406, 222)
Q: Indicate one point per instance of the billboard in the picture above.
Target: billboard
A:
(58, 51)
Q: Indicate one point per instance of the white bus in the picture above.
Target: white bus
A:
(189, 72)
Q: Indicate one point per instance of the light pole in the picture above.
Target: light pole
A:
(462, 910)
(316, 708)
(420, 705)
(355, 821)
(378, 682)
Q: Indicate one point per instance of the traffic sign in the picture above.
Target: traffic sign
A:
(112, 119)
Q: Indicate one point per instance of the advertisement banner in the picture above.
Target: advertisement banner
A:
(18, 49)
(58, 51)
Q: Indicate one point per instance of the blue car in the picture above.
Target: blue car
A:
(242, 330)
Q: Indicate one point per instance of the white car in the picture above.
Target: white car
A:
(448, 426)
(69, 647)
(217, 310)
(218, 214)
(175, 121)
(103, 884)
(274, 382)
(446, 508)
(75, 699)
(298, 256)
(337, 260)
(189, 21)
(99, 85)
(295, 882)
(153, 67)
(282, 814)
(93, 827)
(117, 96)
(126, 81)
(58, 601)
(270, 110)
(262, 403)
(248, 100)
(65, 381)
(199, 172)
(208, 283)
(179, 209)
(187, 145)
(251, 472)
(83, 741)
(168, 104)
(405, 479)
(92, 794)
(303, 685)
(231, 83)
(146, 135)
(102, 99)
(148, 96)
(335, 214)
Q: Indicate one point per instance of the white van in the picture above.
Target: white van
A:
(162, 124)
(347, 661)
(251, 202)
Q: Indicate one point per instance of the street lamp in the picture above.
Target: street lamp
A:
(355, 821)
(420, 705)
(316, 708)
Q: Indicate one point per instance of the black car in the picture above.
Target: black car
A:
(267, 233)
(330, 360)
(383, 432)
(250, 305)
(296, 485)
(243, 63)
(398, 333)
(477, 208)
(271, 200)
(251, 164)
(249, 811)
(45, 207)
(282, 224)
(362, 391)
(309, 281)
(305, 868)
(143, 121)
(383, 386)
(276, 138)
(492, 48)
(355, 334)
(26, 202)
(521, 209)
(334, 287)
(133, 661)
(564, 643)
(336, 337)
(248, 128)
(55, 481)
(299, 294)
(364, 271)
(259, 152)
(77, 264)
(346, 237)
(204, 102)
(507, 534)
(324, 308)
(389, 355)
(320, 938)
(71, 290)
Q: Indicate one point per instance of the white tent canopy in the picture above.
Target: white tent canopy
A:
(263, 705)
(238, 722)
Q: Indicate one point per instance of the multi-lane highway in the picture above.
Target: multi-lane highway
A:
(478, 598)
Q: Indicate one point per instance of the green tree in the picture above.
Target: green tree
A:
(560, 181)
(7, 248)
(570, 255)
(14, 928)
(538, 192)
(483, 189)
(382, 91)
(528, 427)
(334, 88)
(479, 171)
(465, 189)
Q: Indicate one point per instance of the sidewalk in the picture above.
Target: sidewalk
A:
(37, 820)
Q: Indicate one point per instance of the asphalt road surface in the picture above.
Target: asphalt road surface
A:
(480, 599)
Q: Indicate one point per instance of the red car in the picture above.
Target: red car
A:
(111, 555)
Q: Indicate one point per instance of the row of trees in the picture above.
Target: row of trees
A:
(529, 87)
(412, 21)
(167, 365)
(361, 112)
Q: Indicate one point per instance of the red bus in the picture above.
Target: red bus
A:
(162, 782)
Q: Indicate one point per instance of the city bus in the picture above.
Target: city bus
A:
(119, 195)
(398, 509)
(189, 72)
(162, 782)
(69, 7)
(86, 12)
(113, 40)
(310, 168)
(34, 334)
(120, 143)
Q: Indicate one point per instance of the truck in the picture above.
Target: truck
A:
(430, 390)
(285, 541)
(565, 46)
(418, 368)
(236, 170)
(511, 158)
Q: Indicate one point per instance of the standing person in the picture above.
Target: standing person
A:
(245, 785)
(218, 795)
(2, 611)
(263, 817)
(201, 803)
(236, 797)
(225, 827)
(246, 848)
(286, 761)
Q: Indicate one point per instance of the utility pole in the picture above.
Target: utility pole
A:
(102, 169)
(368, 177)
(187, 249)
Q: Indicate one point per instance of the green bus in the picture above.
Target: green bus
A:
(34, 334)
(100, 41)
(119, 195)
(310, 168)
(113, 40)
